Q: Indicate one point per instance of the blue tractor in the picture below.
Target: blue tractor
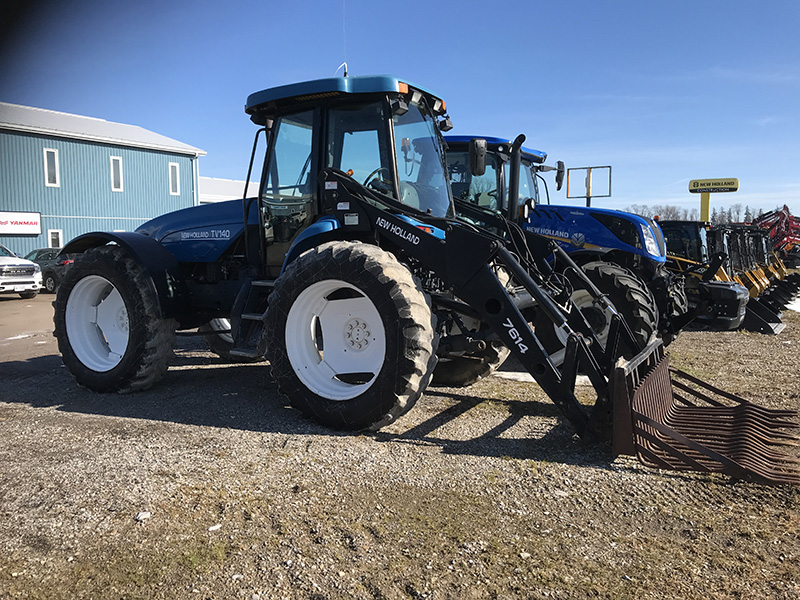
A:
(622, 253)
(351, 273)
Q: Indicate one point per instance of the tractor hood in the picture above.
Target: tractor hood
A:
(576, 227)
(200, 233)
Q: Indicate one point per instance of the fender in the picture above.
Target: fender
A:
(161, 267)
(311, 236)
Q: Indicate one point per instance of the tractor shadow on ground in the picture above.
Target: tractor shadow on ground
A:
(203, 390)
(556, 443)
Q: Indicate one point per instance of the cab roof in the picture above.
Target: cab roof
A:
(260, 104)
(536, 156)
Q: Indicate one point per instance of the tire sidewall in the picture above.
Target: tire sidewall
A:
(606, 277)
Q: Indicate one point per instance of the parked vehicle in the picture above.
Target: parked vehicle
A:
(348, 269)
(720, 302)
(52, 265)
(784, 234)
(18, 275)
(621, 252)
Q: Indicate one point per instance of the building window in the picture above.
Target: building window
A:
(116, 173)
(55, 236)
(174, 179)
(51, 178)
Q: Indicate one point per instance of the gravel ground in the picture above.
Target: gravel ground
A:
(209, 487)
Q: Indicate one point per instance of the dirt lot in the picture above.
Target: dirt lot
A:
(209, 487)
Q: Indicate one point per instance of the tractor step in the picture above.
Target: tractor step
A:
(671, 420)
(247, 323)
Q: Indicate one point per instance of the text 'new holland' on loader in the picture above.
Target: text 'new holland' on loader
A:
(349, 270)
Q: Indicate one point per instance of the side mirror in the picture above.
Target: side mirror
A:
(559, 174)
(405, 147)
(477, 156)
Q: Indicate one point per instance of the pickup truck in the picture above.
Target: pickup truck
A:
(18, 275)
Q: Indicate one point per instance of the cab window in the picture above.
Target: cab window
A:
(477, 189)
(289, 176)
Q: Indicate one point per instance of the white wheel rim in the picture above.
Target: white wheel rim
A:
(354, 340)
(97, 323)
(224, 325)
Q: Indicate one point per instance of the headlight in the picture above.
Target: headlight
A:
(37, 268)
(650, 243)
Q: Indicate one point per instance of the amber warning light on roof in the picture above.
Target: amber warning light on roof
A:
(699, 186)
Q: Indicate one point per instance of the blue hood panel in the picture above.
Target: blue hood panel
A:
(580, 228)
(200, 233)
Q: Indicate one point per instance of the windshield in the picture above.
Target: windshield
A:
(6, 252)
(477, 189)
(527, 183)
(421, 169)
(687, 240)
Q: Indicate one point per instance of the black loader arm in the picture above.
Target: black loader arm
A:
(464, 261)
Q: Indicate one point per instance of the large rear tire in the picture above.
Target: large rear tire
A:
(351, 337)
(627, 292)
(108, 323)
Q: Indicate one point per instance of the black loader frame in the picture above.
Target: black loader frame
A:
(737, 441)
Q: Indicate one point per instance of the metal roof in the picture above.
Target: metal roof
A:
(213, 189)
(329, 87)
(537, 156)
(28, 119)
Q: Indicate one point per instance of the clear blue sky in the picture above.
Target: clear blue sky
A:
(664, 92)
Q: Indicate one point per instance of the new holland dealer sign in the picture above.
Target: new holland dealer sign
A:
(712, 186)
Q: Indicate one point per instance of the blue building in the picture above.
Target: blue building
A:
(62, 175)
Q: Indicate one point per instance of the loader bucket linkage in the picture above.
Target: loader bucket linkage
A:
(669, 424)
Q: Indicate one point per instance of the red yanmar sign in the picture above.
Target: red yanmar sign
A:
(20, 223)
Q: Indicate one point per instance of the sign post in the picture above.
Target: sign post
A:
(705, 187)
(593, 187)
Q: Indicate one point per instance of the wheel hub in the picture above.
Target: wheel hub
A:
(335, 339)
(356, 334)
(122, 319)
(595, 317)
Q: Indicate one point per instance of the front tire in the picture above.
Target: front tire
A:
(108, 323)
(629, 295)
(49, 283)
(350, 336)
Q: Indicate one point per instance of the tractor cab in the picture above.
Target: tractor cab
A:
(381, 132)
(489, 184)
(687, 240)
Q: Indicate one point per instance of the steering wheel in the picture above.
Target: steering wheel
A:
(369, 179)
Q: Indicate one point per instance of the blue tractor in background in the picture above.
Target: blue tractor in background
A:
(623, 253)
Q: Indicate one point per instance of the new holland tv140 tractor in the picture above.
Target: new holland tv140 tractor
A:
(351, 272)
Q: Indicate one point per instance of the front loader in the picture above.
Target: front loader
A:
(348, 271)
(720, 300)
(750, 263)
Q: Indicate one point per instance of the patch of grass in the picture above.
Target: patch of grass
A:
(201, 557)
